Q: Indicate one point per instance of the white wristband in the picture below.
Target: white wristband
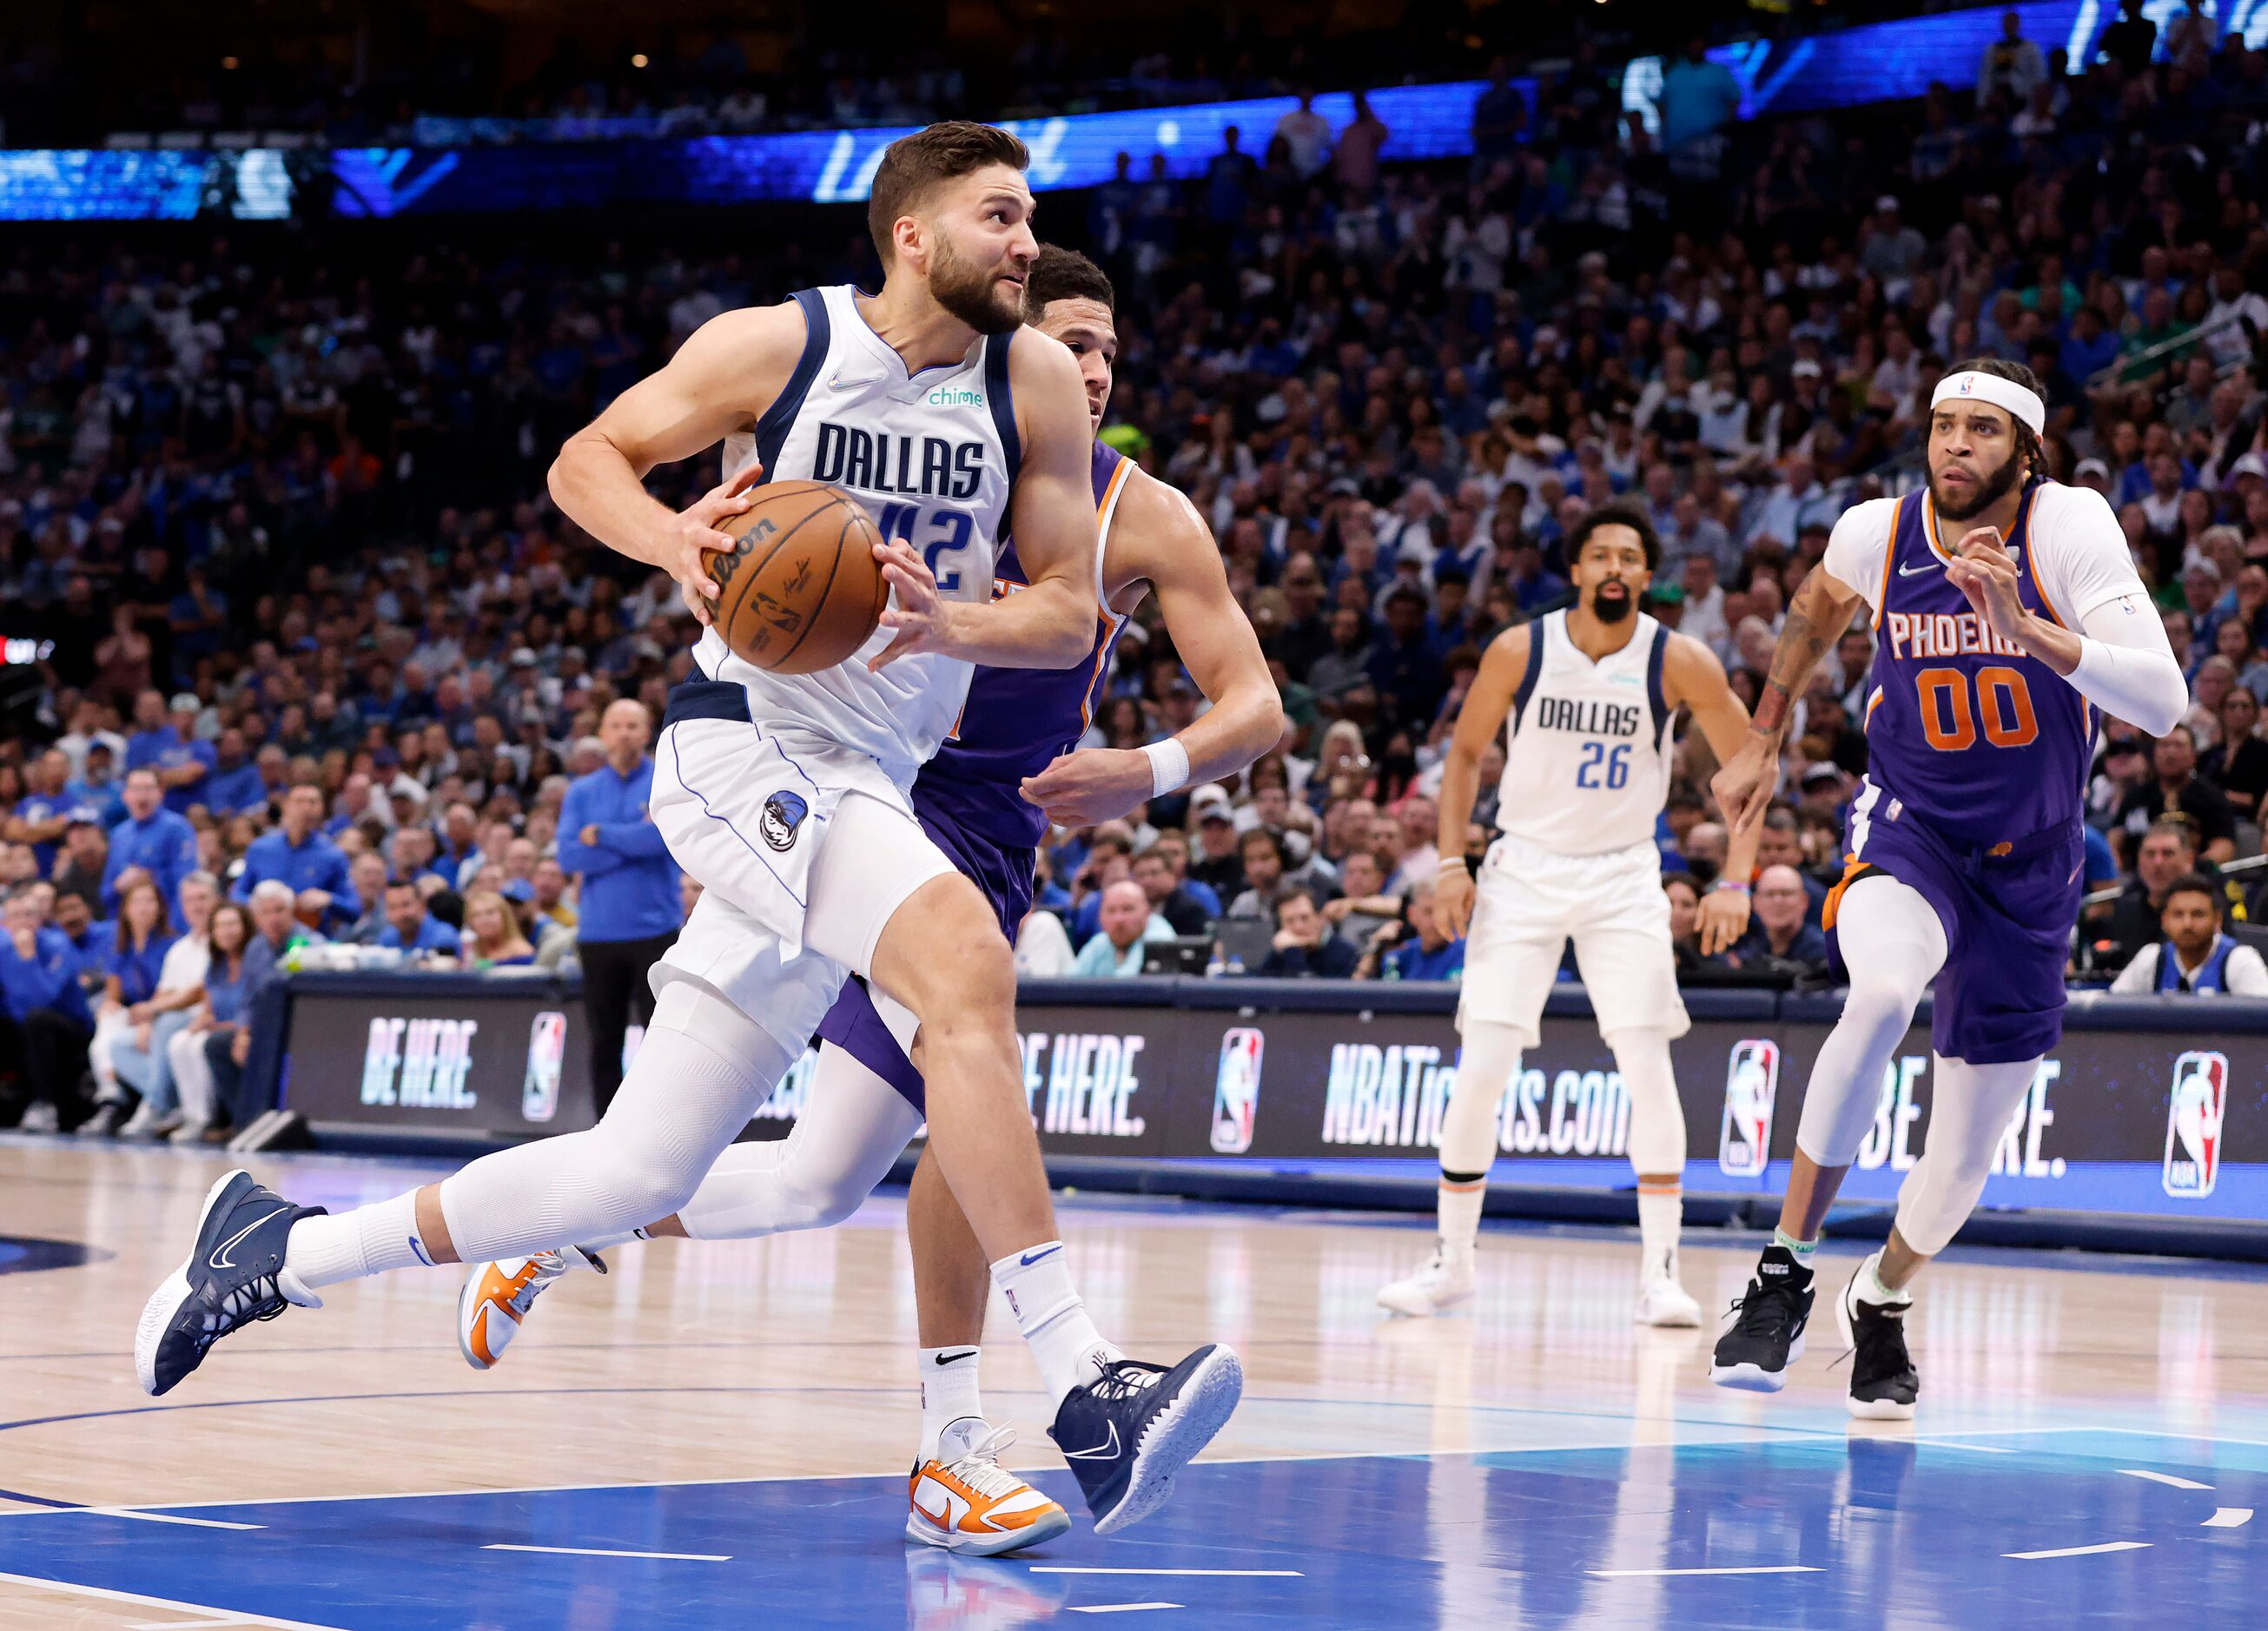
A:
(1169, 767)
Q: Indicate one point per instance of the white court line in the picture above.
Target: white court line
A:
(1239, 1574)
(1982, 1450)
(211, 1616)
(590, 1551)
(165, 1518)
(2163, 1478)
(2083, 1551)
(1117, 1608)
(1752, 1568)
(2228, 1517)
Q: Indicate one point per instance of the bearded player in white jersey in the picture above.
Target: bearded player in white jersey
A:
(818, 767)
(1592, 696)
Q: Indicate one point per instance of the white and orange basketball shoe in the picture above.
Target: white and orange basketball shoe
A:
(496, 1297)
(963, 1500)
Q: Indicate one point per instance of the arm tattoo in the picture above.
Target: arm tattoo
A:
(1803, 643)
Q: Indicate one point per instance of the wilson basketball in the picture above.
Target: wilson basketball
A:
(801, 589)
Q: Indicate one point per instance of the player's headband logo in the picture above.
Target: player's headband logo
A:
(2024, 404)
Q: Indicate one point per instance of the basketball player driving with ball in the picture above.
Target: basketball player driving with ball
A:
(836, 386)
(1011, 763)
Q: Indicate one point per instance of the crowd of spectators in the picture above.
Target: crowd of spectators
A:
(322, 648)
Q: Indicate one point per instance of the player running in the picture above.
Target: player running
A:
(1592, 696)
(1963, 849)
(1008, 766)
(847, 882)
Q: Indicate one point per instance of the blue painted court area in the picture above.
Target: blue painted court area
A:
(1807, 1529)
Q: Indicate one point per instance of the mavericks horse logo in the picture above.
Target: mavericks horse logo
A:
(784, 812)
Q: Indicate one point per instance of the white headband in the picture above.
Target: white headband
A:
(2023, 403)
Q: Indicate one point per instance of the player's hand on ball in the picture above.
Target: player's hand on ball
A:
(1984, 571)
(1453, 899)
(917, 612)
(1093, 784)
(697, 539)
(1724, 919)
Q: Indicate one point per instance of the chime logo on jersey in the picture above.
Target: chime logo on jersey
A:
(2193, 1125)
(1236, 1090)
(547, 1052)
(1751, 1087)
(420, 1064)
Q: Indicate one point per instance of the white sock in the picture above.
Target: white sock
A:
(1659, 1213)
(1069, 1350)
(1870, 1288)
(1460, 1208)
(369, 1240)
(948, 1391)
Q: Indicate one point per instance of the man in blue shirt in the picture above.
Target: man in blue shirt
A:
(96, 789)
(298, 855)
(630, 903)
(410, 927)
(1424, 954)
(170, 748)
(44, 811)
(151, 837)
(235, 786)
(38, 980)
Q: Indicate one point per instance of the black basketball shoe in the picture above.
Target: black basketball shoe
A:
(1883, 1382)
(1128, 1432)
(1767, 1329)
(234, 1274)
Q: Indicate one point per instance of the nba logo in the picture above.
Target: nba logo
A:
(1751, 1085)
(547, 1047)
(2193, 1125)
(1236, 1090)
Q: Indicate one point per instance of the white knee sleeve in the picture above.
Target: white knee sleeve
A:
(1894, 944)
(701, 1073)
(1657, 1122)
(1973, 1105)
(1490, 1058)
(854, 1125)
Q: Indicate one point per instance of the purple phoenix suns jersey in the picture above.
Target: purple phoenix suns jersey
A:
(1018, 721)
(1983, 742)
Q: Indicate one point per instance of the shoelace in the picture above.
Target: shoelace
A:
(254, 1300)
(979, 1466)
(1123, 1378)
(1764, 1311)
(1882, 1339)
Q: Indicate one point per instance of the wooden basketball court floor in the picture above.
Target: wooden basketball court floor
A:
(718, 1435)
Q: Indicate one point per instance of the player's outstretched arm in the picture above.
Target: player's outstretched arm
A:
(1478, 720)
(1158, 537)
(1051, 623)
(1692, 677)
(1816, 618)
(720, 380)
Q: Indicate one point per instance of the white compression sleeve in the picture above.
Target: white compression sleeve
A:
(1894, 944)
(1491, 1055)
(2127, 669)
(702, 1072)
(854, 1125)
(1973, 1104)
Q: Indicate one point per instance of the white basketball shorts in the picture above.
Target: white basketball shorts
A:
(1529, 902)
(803, 849)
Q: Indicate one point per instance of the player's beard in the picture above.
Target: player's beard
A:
(1612, 610)
(1988, 492)
(971, 294)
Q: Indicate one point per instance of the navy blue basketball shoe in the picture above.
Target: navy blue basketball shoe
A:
(234, 1274)
(1128, 1431)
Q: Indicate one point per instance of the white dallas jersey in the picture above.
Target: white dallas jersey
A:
(1587, 746)
(933, 457)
